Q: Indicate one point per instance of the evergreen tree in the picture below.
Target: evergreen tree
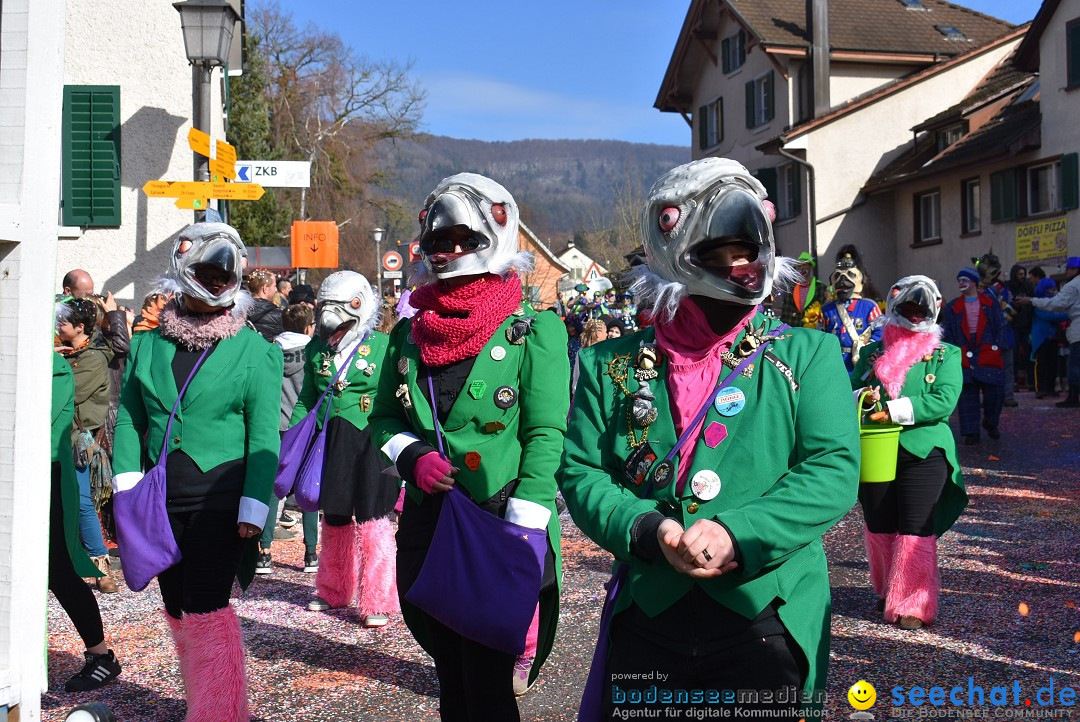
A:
(264, 222)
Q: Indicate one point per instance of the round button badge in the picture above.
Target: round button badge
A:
(705, 484)
(729, 401)
(498, 353)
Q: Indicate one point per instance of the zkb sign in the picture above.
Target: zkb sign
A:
(274, 173)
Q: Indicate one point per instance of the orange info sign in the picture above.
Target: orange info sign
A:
(314, 244)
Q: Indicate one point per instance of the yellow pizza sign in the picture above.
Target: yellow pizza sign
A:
(1045, 241)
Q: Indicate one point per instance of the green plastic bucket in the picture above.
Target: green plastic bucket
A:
(880, 444)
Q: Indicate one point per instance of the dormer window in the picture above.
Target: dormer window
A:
(951, 32)
(913, 5)
(948, 136)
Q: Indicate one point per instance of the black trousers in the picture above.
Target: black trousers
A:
(211, 549)
(1046, 366)
(64, 582)
(906, 505)
(700, 646)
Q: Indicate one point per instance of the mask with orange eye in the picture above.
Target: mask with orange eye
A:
(468, 227)
(345, 309)
(913, 303)
(207, 263)
(706, 226)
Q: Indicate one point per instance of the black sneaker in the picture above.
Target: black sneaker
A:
(311, 562)
(265, 565)
(286, 520)
(992, 432)
(100, 669)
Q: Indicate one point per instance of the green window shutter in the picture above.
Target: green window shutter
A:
(720, 120)
(750, 104)
(703, 127)
(770, 100)
(725, 49)
(767, 176)
(742, 47)
(1072, 53)
(1070, 182)
(91, 155)
(1003, 195)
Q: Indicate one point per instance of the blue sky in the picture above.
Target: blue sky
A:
(552, 69)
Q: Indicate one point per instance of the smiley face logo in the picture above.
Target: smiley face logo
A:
(862, 695)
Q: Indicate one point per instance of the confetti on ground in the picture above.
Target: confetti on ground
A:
(323, 667)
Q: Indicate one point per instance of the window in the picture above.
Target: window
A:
(970, 206)
(733, 50)
(927, 217)
(711, 124)
(913, 5)
(1003, 205)
(1072, 53)
(91, 155)
(788, 193)
(948, 136)
(1042, 189)
(759, 100)
(951, 32)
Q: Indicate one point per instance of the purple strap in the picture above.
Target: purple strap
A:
(176, 406)
(435, 416)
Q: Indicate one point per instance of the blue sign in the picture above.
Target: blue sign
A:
(729, 401)
(243, 173)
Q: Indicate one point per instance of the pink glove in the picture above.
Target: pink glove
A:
(429, 469)
(400, 505)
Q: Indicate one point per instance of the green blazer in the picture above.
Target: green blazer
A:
(522, 441)
(789, 468)
(355, 402)
(63, 411)
(231, 410)
(932, 388)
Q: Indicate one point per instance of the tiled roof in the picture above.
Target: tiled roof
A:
(1005, 78)
(1014, 128)
(872, 25)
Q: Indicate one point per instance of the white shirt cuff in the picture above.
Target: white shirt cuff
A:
(252, 511)
(397, 444)
(126, 481)
(900, 411)
(527, 513)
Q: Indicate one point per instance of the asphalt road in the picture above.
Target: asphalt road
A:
(1010, 580)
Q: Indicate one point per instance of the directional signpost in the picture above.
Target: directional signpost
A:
(222, 155)
(204, 189)
(274, 173)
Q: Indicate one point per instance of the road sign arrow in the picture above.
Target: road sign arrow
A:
(242, 173)
(314, 248)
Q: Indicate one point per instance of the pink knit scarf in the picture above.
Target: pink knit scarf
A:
(196, 331)
(903, 348)
(454, 322)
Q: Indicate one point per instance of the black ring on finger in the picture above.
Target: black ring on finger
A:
(705, 553)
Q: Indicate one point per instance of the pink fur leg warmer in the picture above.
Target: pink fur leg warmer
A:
(177, 629)
(530, 636)
(216, 684)
(336, 579)
(913, 583)
(378, 568)
(879, 553)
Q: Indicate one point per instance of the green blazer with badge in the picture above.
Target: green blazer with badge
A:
(931, 390)
(354, 395)
(508, 423)
(231, 410)
(787, 460)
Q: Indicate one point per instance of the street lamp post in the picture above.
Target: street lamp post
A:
(208, 30)
(377, 234)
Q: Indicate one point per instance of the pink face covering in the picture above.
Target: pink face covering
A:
(693, 352)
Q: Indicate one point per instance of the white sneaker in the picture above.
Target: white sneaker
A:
(318, 604)
(521, 675)
(371, 621)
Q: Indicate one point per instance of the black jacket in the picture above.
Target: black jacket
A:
(265, 317)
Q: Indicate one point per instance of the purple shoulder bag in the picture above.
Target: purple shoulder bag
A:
(303, 448)
(482, 574)
(143, 533)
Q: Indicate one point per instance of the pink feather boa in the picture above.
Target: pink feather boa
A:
(196, 331)
(903, 348)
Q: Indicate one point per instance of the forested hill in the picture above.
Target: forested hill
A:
(562, 186)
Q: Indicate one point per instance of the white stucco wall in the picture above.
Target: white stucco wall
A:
(139, 47)
(849, 80)
(846, 152)
(1060, 131)
(30, 93)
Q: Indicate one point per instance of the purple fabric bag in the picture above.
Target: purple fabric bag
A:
(143, 533)
(482, 574)
(299, 444)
